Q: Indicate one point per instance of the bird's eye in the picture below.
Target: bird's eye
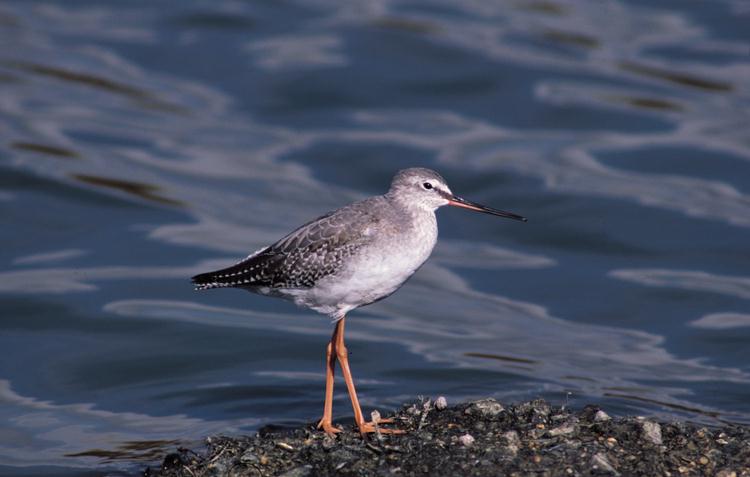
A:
(427, 185)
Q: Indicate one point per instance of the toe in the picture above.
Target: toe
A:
(331, 430)
(369, 427)
(328, 428)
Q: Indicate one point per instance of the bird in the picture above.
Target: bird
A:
(348, 258)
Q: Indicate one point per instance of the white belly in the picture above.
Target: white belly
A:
(374, 273)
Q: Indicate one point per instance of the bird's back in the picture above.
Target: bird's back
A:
(312, 252)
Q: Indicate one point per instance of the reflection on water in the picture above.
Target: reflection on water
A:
(575, 39)
(647, 103)
(510, 359)
(722, 321)
(679, 78)
(670, 405)
(688, 280)
(144, 191)
(143, 98)
(141, 144)
(43, 432)
(44, 149)
(147, 451)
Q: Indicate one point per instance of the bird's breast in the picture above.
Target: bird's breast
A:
(391, 258)
(392, 254)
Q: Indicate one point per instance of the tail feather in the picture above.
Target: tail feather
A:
(247, 273)
(206, 281)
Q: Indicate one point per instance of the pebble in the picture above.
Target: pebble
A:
(218, 467)
(601, 416)
(302, 471)
(172, 461)
(600, 461)
(413, 410)
(248, 457)
(513, 441)
(726, 473)
(467, 440)
(486, 407)
(652, 432)
(567, 428)
(441, 403)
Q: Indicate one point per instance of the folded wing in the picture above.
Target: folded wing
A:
(299, 260)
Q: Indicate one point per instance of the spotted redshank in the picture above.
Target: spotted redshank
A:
(351, 257)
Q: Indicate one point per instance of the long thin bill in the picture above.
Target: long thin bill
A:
(460, 202)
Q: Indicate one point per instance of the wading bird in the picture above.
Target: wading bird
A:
(353, 256)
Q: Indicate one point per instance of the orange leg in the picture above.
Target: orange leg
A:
(326, 422)
(343, 357)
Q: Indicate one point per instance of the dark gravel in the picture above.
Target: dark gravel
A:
(481, 438)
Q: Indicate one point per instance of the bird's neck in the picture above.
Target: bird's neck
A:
(414, 215)
(416, 210)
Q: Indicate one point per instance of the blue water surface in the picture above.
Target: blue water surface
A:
(142, 142)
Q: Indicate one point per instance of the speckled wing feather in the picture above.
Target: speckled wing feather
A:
(313, 251)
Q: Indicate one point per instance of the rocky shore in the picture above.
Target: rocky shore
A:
(480, 438)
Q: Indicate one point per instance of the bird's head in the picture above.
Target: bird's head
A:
(426, 189)
(420, 187)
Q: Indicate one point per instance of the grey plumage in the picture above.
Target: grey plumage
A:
(313, 251)
(348, 258)
(352, 256)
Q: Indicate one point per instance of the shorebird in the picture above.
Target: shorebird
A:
(350, 257)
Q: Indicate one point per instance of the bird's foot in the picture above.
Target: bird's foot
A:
(372, 427)
(328, 427)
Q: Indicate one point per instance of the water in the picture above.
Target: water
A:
(142, 142)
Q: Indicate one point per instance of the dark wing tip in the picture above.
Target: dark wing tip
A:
(247, 273)
(204, 281)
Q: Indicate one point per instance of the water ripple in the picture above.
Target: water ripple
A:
(298, 52)
(722, 321)
(55, 434)
(137, 137)
(687, 280)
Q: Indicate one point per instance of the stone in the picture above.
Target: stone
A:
(441, 403)
(485, 407)
(600, 461)
(512, 442)
(248, 457)
(726, 473)
(567, 428)
(652, 432)
(302, 471)
(466, 440)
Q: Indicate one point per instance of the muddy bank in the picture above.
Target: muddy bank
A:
(480, 438)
